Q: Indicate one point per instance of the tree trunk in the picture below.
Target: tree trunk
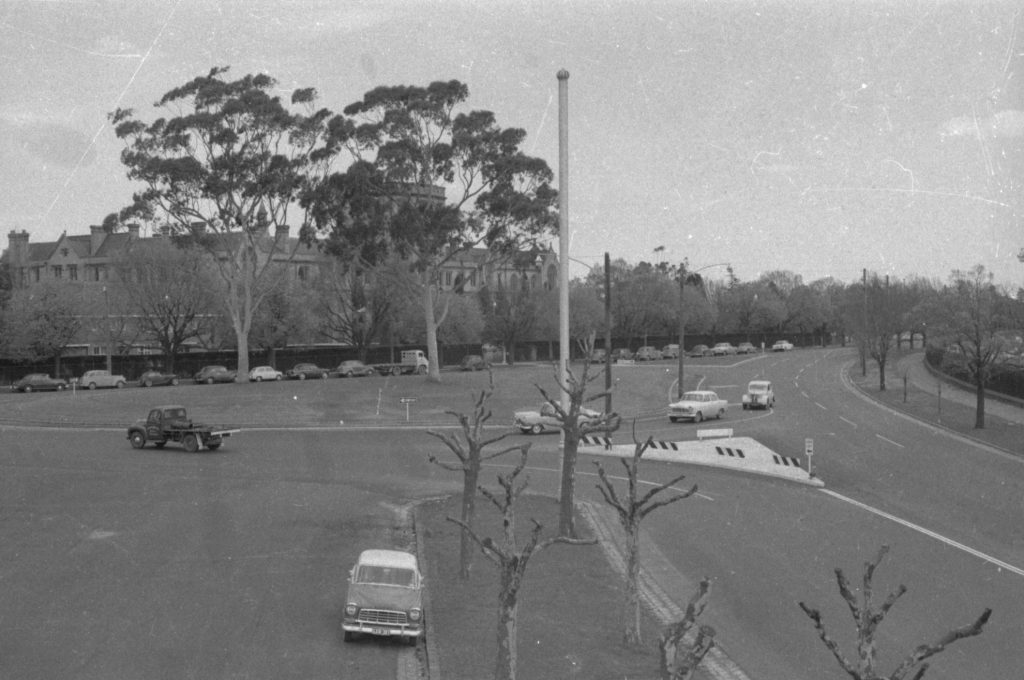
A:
(979, 409)
(467, 548)
(505, 664)
(881, 374)
(631, 614)
(566, 514)
(272, 356)
(428, 313)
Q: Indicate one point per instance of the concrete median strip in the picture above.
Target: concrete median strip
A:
(742, 454)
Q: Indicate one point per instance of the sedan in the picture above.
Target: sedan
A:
(648, 353)
(354, 368)
(698, 351)
(723, 349)
(782, 346)
(212, 374)
(261, 373)
(670, 351)
(37, 382)
(622, 354)
(545, 419)
(697, 406)
(154, 378)
(472, 362)
(303, 371)
(746, 348)
(101, 378)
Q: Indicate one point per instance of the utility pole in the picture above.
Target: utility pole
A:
(607, 333)
(682, 328)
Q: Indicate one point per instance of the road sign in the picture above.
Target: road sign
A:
(407, 400)
(809, 447)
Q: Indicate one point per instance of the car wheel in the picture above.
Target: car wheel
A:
(349, 374)
(191, 443)
(746, 406)
(259, 378)
(277, 377)
(209, 381)
(28, 388)
(137, 439)
(120, 384)
(92, 386)
(323, 376)
(174, 382)
(699, 417)
(60, 388)
(302, 376)
(721, 412)
(537, 429)
(349, 636)
(147, 383)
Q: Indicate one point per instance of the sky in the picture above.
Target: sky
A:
(820, 137)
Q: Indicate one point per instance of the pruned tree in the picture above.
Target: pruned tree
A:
(430, 184)
(631, 511)
(469, 450)
(227, 166)
(511, 561)
(575, 425)
(867, 618)
(681, 648)
(167, 290)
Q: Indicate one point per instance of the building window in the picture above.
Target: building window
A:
(448, 278)
(73, 272)
(302, 272)
(58, 271)
(36, 273)
(472, 278)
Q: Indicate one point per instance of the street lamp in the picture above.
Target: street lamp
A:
(685, 276)
(106, 328)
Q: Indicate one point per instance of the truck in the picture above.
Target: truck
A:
(413, 361)
(171, 424)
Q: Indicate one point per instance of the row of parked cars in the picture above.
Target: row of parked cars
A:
(207, 375)
(649, 353)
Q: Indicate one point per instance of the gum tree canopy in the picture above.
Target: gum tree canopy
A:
(220, 172)
(428, 184)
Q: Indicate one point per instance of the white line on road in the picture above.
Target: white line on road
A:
(939, 537)
(848, 421)
(886, 439)
(821, 406)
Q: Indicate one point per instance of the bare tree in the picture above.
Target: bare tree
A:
(867, 619)
(469, 449)
(631, 512)
(680, 652)
(575, 426)
(511, 562)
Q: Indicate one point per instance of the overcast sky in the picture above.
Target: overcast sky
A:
(820, 137)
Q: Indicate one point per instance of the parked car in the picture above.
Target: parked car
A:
(472, 362)
(648, 353)
(722, 349)
(598, 356)
(353, 368)
(155, 378)
(545, 418)
(303, 371)
(261, 373)
(622, 354)
(746, 348)
(101, 378)
(698, 351)
(782, 346)
(212, 374)
(670, 352)
(697, 406)
(38, 382)
(759, 395)
(385, 596)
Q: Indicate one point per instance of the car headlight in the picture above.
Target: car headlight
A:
(415, 614)
(351, 609)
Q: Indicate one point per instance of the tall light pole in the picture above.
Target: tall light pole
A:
(684, 275)
(106, 328)
(563, 232)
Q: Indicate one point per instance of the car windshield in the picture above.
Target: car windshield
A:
(694, 396)
(389, 576)
(758, 387)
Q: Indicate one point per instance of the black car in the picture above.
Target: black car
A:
(303, 371)
(37, 382)
(155, 378)
(354, 368)
(212, 374)
(473, 362)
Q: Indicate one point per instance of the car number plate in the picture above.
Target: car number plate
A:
(378, 631)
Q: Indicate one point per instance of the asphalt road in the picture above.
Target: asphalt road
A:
(153, 564)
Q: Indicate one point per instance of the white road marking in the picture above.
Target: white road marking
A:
(848, 421)
(886, 439)
(927, 532)
(821, 406)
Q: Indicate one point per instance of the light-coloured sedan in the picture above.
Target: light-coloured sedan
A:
(697, 406)
(723, 349)
(261, 373)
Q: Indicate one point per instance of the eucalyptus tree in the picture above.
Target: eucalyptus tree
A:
(224, 168)
(40, 322)
(430, 183)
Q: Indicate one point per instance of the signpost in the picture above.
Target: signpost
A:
(809, 452)
(407, 401)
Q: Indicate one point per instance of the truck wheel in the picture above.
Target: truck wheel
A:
(395, 370)
(159, 445)
(190, 443)
(214, 446)
(137, 439)
(421, 370)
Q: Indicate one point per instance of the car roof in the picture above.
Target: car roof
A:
(167, 406)
(698, 392)
(765, 383)
(388, 558)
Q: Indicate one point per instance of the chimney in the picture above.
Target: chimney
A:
(281, 232)
(165, 230)
(133, 231)
(96, 236)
